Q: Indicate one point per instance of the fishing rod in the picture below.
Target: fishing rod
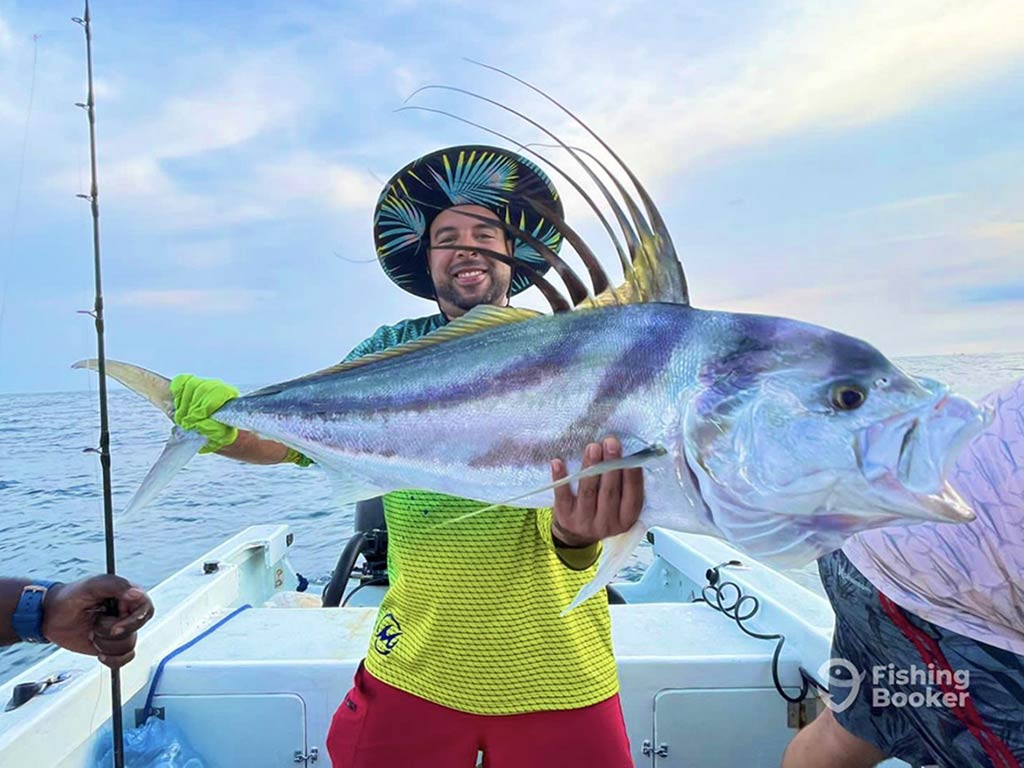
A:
(104, 446)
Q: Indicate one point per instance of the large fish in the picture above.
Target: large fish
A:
(781, 437)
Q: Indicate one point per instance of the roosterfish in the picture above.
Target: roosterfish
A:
(781, 437)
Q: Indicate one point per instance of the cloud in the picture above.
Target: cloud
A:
(1011, 232)
(255, 192)
(155, 158)
(243, 140)
(202, 254)
(238, 139)
(810, 66)
(242, 98)
(6, 38)
(906, 204)
(15, 81)
(881, 311)
(195, 301)
(312, 178)
(141, 187)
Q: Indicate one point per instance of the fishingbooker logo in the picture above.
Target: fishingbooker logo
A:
(386, 634)
(841, 675)
(928, 687)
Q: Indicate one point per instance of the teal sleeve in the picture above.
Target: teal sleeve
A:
(378, 342)
(388, 336)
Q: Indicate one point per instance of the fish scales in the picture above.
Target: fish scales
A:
(496, 406)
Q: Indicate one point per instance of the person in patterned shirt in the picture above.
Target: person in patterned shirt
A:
(932, 617)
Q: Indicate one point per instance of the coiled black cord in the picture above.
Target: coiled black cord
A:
(716, 589)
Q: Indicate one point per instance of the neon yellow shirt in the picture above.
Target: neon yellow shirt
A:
(471, 619)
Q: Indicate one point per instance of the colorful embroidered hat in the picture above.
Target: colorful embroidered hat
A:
(494, 178)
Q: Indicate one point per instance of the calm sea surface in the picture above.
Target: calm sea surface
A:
(51, 511)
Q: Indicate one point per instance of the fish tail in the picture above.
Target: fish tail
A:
(615, 551)
(181, 446)
(178, 451)
(146, 384)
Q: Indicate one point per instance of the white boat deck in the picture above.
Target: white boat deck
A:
(260, 690)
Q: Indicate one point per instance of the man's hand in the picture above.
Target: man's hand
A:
(195, 400)
(74, 617)
(603, 506)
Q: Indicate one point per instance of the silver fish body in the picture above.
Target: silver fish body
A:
(483, 415)
(755, 448)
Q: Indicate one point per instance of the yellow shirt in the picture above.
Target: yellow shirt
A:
(471, 620)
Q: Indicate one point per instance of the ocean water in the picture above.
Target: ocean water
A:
(51, 510)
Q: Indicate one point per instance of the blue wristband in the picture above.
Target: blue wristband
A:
(27, 621)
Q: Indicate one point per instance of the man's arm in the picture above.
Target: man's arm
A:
(196, 399)
(256, 450)
(74, 616)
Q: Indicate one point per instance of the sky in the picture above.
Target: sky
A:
(852, 164)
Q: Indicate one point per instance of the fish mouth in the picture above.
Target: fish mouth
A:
(906, 458)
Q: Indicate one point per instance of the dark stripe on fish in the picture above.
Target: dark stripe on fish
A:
(519, 373)
(644, 359)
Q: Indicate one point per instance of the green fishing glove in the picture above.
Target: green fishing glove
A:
(194, 400)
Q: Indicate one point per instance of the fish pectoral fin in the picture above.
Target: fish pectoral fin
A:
(178, 451)
(636, 448)
(615, 551)
(632, 461)
(348, 488)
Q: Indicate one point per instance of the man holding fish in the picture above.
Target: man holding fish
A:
(469, 651)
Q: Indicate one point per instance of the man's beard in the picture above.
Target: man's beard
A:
(495, 294)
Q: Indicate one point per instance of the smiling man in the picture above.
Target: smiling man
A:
(469, 652)
(478, 657)
(462, 277)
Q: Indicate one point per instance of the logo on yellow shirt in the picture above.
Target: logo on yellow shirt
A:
(386, 634)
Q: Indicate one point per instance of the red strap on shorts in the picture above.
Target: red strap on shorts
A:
(996, 749)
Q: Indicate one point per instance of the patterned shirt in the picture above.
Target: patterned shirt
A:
(471, 619)
(965, 577)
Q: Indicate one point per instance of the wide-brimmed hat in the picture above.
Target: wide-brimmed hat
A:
(499, 180)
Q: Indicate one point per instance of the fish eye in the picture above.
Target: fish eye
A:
(848, 397)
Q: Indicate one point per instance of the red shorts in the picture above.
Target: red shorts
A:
(378, 725)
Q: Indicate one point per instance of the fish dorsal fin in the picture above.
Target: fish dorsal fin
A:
(659, 276)
(656, 275)
(627, 293)
(479, 318)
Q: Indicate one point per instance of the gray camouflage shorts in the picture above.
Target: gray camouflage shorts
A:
(916, 691)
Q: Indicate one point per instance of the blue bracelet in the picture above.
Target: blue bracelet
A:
(27, 621)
